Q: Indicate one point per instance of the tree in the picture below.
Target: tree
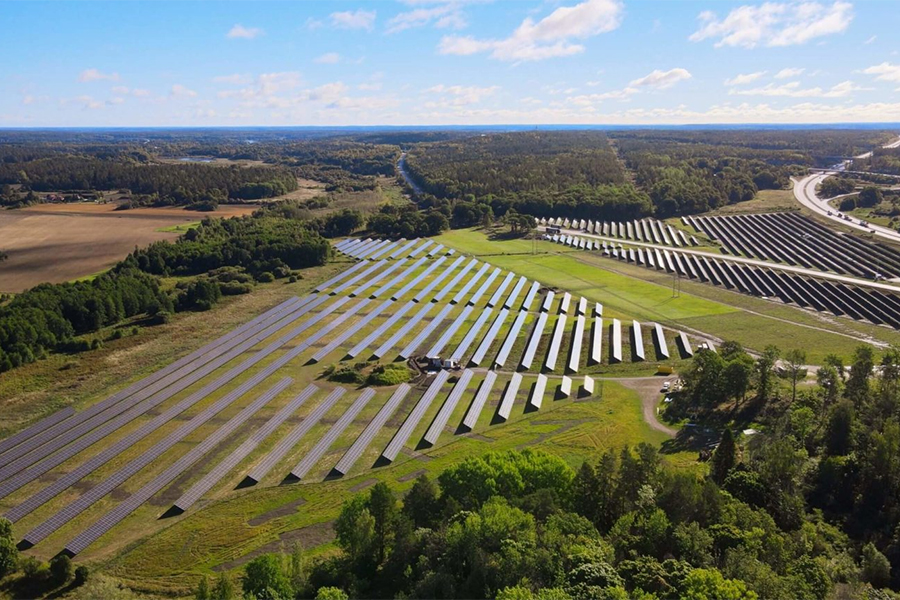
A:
(736, 377)
(383, 508)
(724, 458)
(870, 196)
(331, 593)
(224, 588)
(708, 584)
(355, 530)
(9, 554)
(61, 568)
(81, 575)
(420, 503)
(876, 569)
(857, 388)
(765, 365)
(830, 381)
(202, 592)
(795, 359)
(264, 577)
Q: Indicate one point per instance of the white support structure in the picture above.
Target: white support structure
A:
(509, 396)
(537, 393)
(577, 341)
(661, 344)
(555, 343)
(616, 340)
(581, 307)
(548, 301)
(596, 356)
(565, 387)
(564, 303)
(587, 388)
(637, 343)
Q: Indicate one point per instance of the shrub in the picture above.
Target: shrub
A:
(345, 374)
(389, 375)
(847, 204)
(61, 569)
(81, 575)
(117, 334)
(265, 277)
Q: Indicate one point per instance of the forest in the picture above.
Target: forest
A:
(808, 509)
(883, 160)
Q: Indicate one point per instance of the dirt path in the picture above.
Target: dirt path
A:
(648, 390)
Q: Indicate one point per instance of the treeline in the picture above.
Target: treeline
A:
(687, 178)
(227, 257)
(570, 173)
(169, 183)
(883, 160)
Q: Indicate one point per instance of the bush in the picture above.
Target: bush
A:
(848, 204)
(292, 279)
(345, 374)
(235, 289)
(61, 569)
(117, 334)
(161, 318)
(331, 593)
(81, 575)
(265, 277)
(389, 375)
(96, 344)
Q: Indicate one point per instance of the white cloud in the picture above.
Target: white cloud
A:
(140, 93)
(266, 89)
(96, 75)
(235, 79)
(329, 58)
(774, 24)
(656, 80)
(870, 40)
(459, 95)
(548, 38)
(443, 16)
(86, 102)
(884, 72)
(788, 73)
(369, 87)
(243, 33)
(120, 89)
(744, 78)
(358, 19)
(313, 24)
(793, 89)
(661, 80)
(180, 91)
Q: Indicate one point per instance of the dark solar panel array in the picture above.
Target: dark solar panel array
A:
(36, 429)
(318, 451)
(419, 278)
(380, 330)
(85, 434)
(398, 278)
(340, 277)
(227, 465)
(461, 294)
(450, 331)
(406, 328)
(365, 438)
(420, 338)
(373, 268)
(424, 292)
(402, 436)
(440, 420)
(367, 283)
(483, 288)
(456, 279)
(347, 333)
(290, 440)
(104, 487)
(499, 291)
(480, 400)
(148, 490)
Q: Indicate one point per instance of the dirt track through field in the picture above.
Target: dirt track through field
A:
(57, 243)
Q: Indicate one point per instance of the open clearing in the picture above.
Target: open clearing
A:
(60, 242)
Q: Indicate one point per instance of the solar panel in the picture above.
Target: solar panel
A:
(511, 299)
(529, 297)
(373, 249)
(456, 279)
(548, 300)
(450, 252)
(637, 340)
(598, 310)
(390, 247)
(196, 491)
(404, 249)
(412, 420)
(104, 487)
(373, 267)
(555, 343)
(577, 340)
(650, 260)
(398, 278)
(463, 346)
(318, 451)
(114, 417)
(125, 508)
(342, 243)
(420, 249)
(661, 345)
(565, 387)
(461, 294)
(345, 335)
(479, 401)
(360, 249)
(418, 279)
(290, 440)
(581, 308)
(499, 291)
(511, 338)
(685, 344)
(443, 415)
(388, 323)
(450, 332)
(424, 292)
(564, 303)
(423, 335)
(435, 250)
(616, 348)
(355, 243)
(367, 283)
(531, 349)
(537, 392)
(406, 328)
(484, 286)
(36, 429)
(596, 356)
(509, 396)
(489, 337)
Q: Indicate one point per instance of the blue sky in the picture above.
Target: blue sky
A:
(434, 62)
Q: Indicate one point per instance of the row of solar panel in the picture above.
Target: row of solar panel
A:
(643, 230)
